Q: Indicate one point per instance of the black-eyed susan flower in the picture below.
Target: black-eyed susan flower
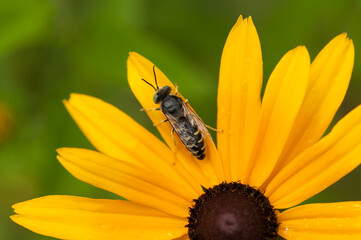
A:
(270, 155)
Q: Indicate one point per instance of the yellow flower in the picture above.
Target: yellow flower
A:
(274, 146)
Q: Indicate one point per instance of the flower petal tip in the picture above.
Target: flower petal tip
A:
(250, 20)
(300, 48)
(78, 95)
(350, 43)
(66, 151)
(240, 18)
(16, 208)
(343, 38)
(132, 54)
(247, 21)
(67, 104)
(15, 218)
(342, 41)
(301, 51)
(73, 95)
(61, 151)
(343, 34)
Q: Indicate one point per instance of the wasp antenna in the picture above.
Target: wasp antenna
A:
(155, 77)
(149, 84)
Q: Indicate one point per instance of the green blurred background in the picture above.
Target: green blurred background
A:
(50, 48)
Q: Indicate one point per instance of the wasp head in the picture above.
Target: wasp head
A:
(161, 93)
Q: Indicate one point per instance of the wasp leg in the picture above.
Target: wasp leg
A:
(176, 89)
(185, 101)
(174, 149)
(149, 109)
(172, 133)
(211, 128)
(163, 121)
(214, 129)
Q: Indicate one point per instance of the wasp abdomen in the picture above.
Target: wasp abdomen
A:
(192, 138)
(173, 108)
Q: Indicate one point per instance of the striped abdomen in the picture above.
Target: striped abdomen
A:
(192, 138)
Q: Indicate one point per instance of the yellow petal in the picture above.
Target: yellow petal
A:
(320, 165)
(127, 180)
(239, 102)
(141, 68)
(329, 79)
(326, 235)
(68, 217)
(184, 237)
(282, 99)
(116, 134)
(328, 221)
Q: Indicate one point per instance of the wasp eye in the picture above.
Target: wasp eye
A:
(166, 90)
(161, 94)
(156, 98)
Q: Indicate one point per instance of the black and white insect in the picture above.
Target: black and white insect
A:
(187, 125)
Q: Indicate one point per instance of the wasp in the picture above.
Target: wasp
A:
(187, 125)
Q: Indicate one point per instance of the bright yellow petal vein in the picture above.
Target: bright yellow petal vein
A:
(319, 166)
(141, 68)
(127, 180)
(68, 217)
(239, 101)
(116, 134)
(325, 221)
(329, 79)
(282, 99)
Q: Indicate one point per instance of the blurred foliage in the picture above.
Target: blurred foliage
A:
(6, 122)
(50, 48)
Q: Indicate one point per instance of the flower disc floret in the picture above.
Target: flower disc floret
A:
(232, 211)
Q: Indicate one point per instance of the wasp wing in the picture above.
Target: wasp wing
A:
(195, 120)
(180, 127)
(189, 128)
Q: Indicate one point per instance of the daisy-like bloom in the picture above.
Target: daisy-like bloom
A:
(270, 155)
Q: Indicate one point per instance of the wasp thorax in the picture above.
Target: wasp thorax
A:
(232, 211)
(171, 105)
(161, 93)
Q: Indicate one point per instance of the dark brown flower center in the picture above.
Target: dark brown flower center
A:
(232, 211)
